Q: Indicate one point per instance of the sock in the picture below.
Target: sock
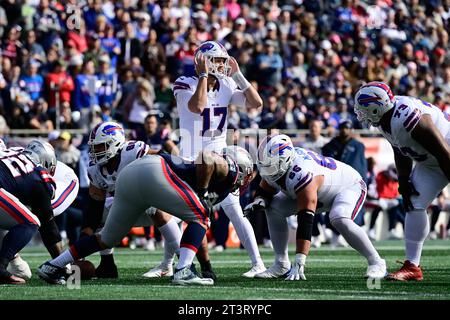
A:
(16, 239)
(416, 231)
(107, 252)
(279, 234)
(172, 237)
(244, 231)
(80, 249)
(190, 242)
(357, 239)
(107, 259)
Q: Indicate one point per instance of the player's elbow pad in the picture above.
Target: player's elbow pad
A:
(305, 220)
(92, 217)
(261, 193)
(50, 233)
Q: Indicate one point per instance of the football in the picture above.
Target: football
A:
(87, 269)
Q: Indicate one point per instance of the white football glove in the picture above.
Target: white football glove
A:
(297, 271)
(257, 204)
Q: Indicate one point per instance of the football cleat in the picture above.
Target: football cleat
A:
(159, 272)
(106, 271)
(52, 274)
(407, 272)
(277, 270)
(377, 271)
(19, 268)
(8, 278)
(186, 277)
(257, 268)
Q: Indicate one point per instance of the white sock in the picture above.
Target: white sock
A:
(186, 258)
(417, 228)
(172, 237)
(244, 231)
(279, 235)
(357, 239)
(63, 259)
(107, 252)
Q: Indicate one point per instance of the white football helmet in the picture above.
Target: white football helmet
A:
(42, 153)
(372, 101)
(212, 50)
(105, 141)
(275, 155)
(245, 163)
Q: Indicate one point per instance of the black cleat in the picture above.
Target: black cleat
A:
(209, 274)
(52, 274)
(106, 271)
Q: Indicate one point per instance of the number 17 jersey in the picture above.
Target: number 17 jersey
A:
(307, 164)
(205, 130)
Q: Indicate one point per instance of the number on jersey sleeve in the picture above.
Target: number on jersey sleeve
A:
(323, 161)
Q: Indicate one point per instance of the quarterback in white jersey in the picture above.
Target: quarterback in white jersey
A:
(419, 133)
(202, 104)
(109, 154)
(299, 181)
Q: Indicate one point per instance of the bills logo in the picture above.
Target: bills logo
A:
(365, 100)
(112, 130)
(280, 149)
(206, 47)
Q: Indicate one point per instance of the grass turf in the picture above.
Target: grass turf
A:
(331, 274)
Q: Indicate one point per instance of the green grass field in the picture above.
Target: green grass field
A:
(331, 274)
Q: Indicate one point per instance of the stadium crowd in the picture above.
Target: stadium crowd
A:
(72, 64)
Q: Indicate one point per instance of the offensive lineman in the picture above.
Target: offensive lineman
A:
(308, 181)
(419, 133)
(135, 191)
(202, 104)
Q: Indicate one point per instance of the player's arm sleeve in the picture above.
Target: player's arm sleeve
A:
(426, 133)
(183, 90)
(92, 216)
(238, 98)
(42, 208)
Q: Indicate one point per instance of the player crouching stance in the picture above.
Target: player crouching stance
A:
(308, 181)
(167, 183)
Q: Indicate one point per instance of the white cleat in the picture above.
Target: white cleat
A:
(377, 271)
(315, 242)
(372, 234)
(257, 268)
(150, 245)
(185, 277)
(159, 272)
(277, 270)
(19, 268)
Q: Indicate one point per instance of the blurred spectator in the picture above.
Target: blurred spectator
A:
(60, 85)
(269, 65)
(86, 92)
(157, 137)
(130, 47)
(32, 82)
(315, 141)
(139, 105)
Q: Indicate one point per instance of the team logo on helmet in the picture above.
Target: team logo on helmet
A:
(206, 47)
(112, 130)
(280, 149)
(365, 100)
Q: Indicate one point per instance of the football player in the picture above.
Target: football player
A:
(67, 186)
(109, 153)
(26, 180)
(419, 133)
(213, 178)
(202, 104)
(308, 182)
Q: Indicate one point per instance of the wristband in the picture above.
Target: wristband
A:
(240, 80)
(203, 75)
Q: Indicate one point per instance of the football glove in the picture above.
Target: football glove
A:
(297, 271)
(259, 204)
(407, 190)
(208, 200)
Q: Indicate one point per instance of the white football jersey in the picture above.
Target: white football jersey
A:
(407, 113)
(67, 186)
(308, 164)
(206, 130)
(101, 178)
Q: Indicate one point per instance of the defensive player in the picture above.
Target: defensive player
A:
(25, 180)
(213, 179)
(202, 104)
(109, 154)
(419, 133)
(308, 182)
